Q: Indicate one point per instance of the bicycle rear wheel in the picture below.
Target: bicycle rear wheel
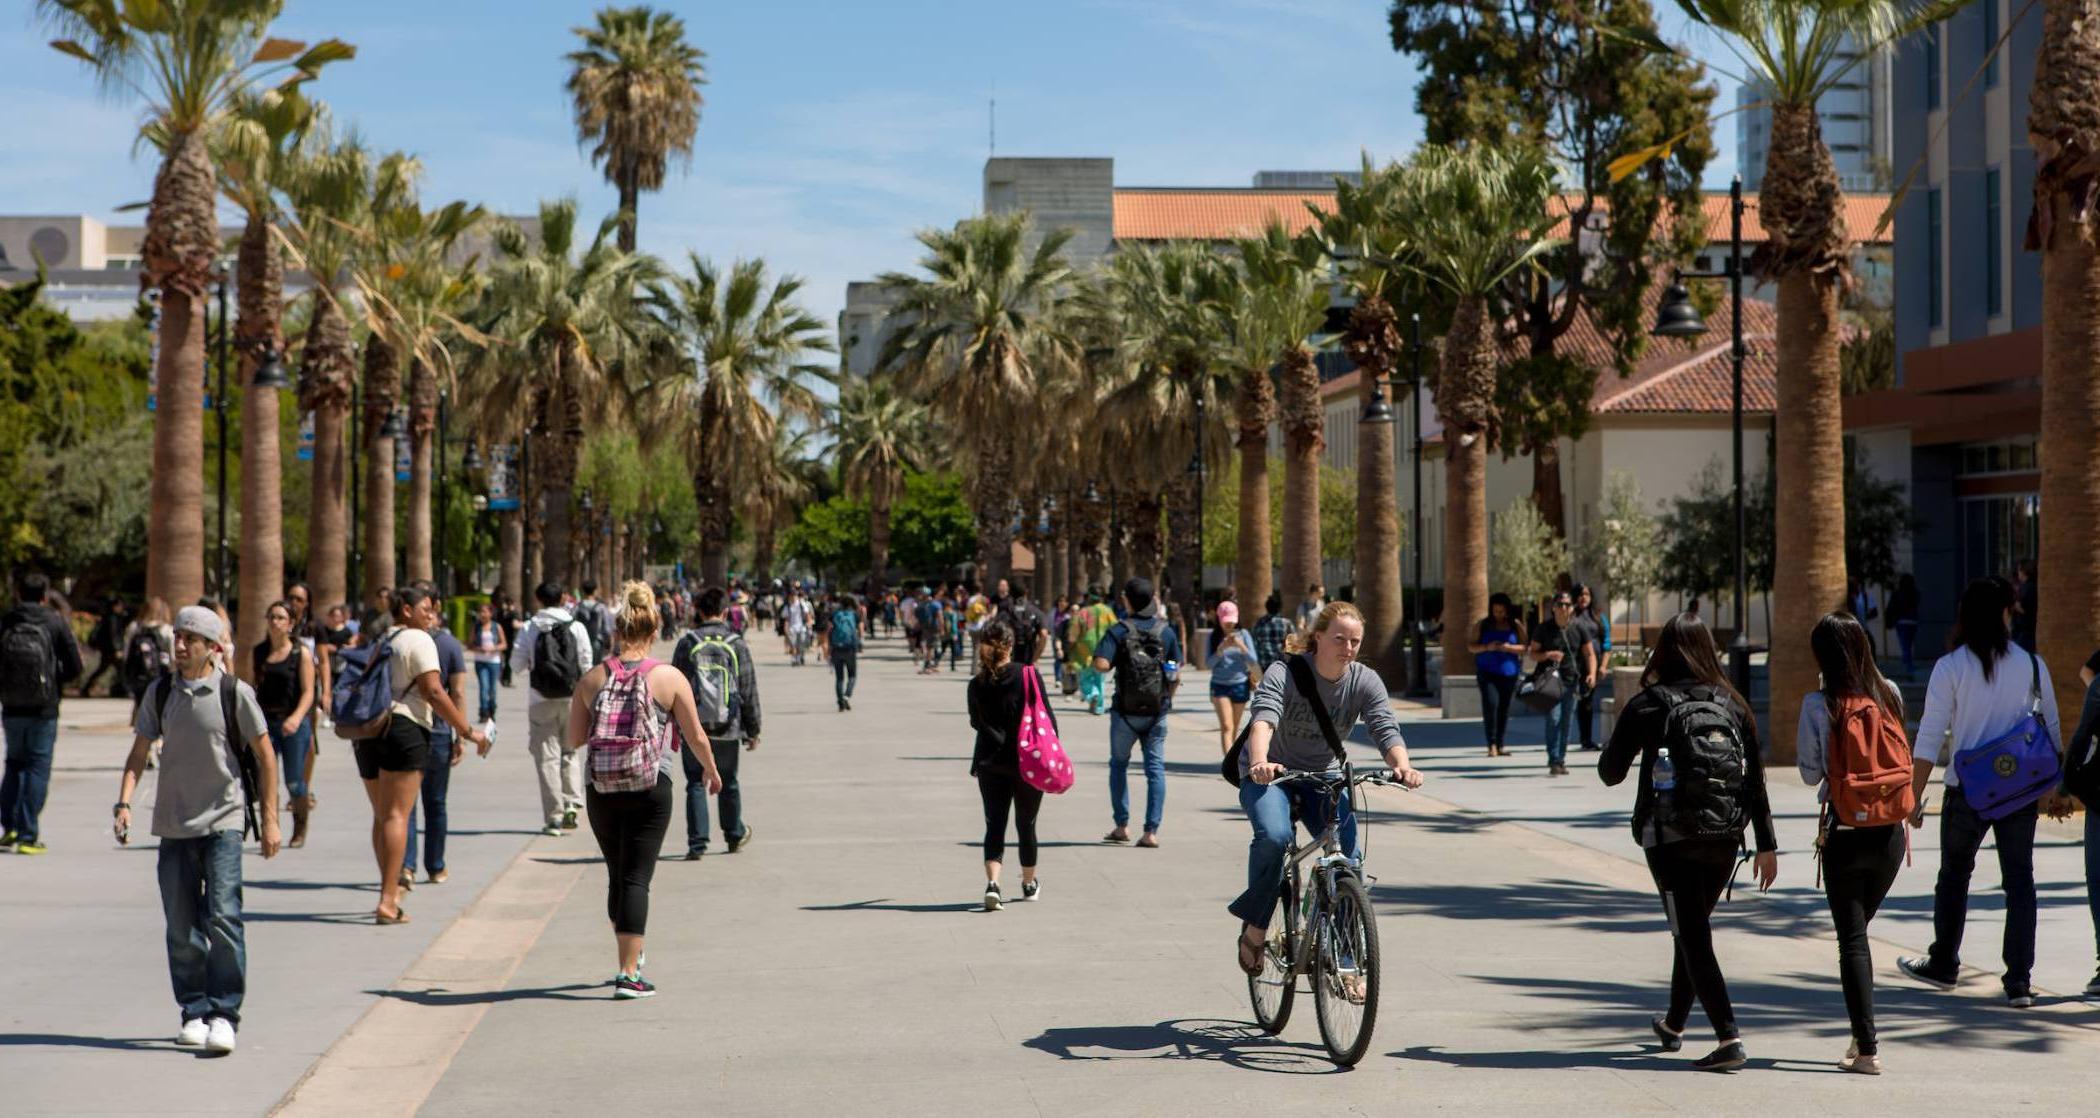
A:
(1276, 987)
(1345, 971)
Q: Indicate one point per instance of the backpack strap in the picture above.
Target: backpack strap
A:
(229, 714)
(1302, 675)
(2034, 665)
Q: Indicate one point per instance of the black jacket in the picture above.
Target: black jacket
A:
(1639, 734)
(62, 644)
(995, 713)
(2076, 766)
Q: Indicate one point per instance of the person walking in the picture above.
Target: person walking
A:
(632, 712)
(1851, 731)
(283, 675)
(1498, 654)
(1233, 662)
(1701, 778)
(1980, 690)
(446, 752)
(106, 642)
(1060, 615)
(202, 717)
(934, 618)
(2082, 780)
(1902, 616)
(1286, 736)
(1145, 655)
(595, 618)
(1557, 646)
(1309, 607)
(149, 649)
(551, 651)
(723, 678)
(1089, 624)
(795, 619)
(38, 657)
(841, 643)
(1589, 629)
(1271, 633)
(489, 645)
(996, 704)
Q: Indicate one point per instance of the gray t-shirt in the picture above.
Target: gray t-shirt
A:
(199, 790)
(1297, 742)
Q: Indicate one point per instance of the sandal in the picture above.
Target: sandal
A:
(1251, 954)
(1119, 835)
(400, 916)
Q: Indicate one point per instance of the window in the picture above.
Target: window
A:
(1990, 43)
(1993, 241)
(1933, 264)
(1932, 66)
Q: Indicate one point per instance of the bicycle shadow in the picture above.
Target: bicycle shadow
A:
(1236, 1044)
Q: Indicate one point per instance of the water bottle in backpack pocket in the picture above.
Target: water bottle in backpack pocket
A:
(1705, 764)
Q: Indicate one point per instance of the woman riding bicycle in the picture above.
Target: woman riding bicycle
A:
(1283, 736)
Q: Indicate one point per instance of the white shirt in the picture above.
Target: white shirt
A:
(797, 615)
(1962, 709)
(545, 619)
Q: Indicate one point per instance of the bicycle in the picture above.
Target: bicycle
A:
(1328, 932)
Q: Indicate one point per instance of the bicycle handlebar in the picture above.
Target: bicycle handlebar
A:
(1379, 777)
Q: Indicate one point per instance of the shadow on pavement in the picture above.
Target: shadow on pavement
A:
(61, 1040)
(884, 904)
(1649, 1059)
(579, 860)
(290, 883)
(1234, 1043)
(490, 997)
(254, 917)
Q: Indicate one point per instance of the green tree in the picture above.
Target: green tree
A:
(1526, 556)
(1878, 518)
(1336, 521)
(1624, 545)
(1698, 536)
(881, 435)
(635, 85)
(931, 529)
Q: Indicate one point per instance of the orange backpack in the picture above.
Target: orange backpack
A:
(1869, 770)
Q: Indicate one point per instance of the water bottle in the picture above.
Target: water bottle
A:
(1663, 779)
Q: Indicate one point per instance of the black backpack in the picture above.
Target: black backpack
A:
(243, 760)
(1141, 668)
(28, 664)
(145, 660)
(1705, 745)
(556, 662)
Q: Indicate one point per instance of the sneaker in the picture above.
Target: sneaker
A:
(193, 1033)
(695, 855)
(993, 902)
(568, 820)
(1868, 1064)
(1031, 890)
(1920, 968)
(439, 877)
(2020, 997)
(741, 841)
(8, 839)
(1728, 1057)
(846, 703)
(629, 986)
(1671, 1039)
(219, 1036)
(30, 848)
(552, 830)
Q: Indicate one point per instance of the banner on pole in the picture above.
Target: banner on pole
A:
(306, 437)
(502, 464)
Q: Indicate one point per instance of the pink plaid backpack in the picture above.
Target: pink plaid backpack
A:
(629, 732)
(1043, 762)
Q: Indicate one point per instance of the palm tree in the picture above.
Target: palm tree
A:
(380, 267)
(969, 339)
(432, 294)
(188, 60)
(636, 84)
(1279, 300)
(788, 478)
(1470, 219)
(568, 324)
(881, 434)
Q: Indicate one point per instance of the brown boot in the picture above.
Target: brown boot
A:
(299, 812)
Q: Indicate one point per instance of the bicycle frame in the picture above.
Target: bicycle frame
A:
(1318, 894)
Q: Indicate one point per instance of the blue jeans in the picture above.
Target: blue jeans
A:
(31, 740)
(1961, 835)
(1123, 734)
(200, 893)
(437, 778)
(731, 800)
(1268, 808)
(1495, 692)
(487, 676)
(291, 752)
(845, 671)
(1559, 717)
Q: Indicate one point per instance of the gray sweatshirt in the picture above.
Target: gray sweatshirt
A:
(1297, 742)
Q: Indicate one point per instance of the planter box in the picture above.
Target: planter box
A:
(1624, 683)
(1461, 698)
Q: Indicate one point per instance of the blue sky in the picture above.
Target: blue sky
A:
(832, 128)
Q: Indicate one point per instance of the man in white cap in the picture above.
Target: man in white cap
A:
(203, 718)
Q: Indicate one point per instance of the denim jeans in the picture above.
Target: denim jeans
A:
(200, 893)
(31, 740)
(845, 671)
(1268, 808)
(731, 800)
(437, 778)
(292, 749)
(1495, 693)
(1558, 720)
(1961, 835)
(487, 676)
(1123, 731)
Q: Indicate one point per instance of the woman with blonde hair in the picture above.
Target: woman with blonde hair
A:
(630, 825)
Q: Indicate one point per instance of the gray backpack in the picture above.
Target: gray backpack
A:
(713, 675)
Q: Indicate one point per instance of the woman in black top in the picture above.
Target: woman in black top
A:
(283, 674)
(995, 713)
(1690, 869)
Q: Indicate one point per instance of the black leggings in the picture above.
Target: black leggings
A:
(1495, 693)
(1002, 791)
(630, 827)
(1859, 865)
(1691, 876)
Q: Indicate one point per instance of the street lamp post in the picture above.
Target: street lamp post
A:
(1196, 468)
(1677, 318)
(219, 405)
(355, 451)
(1378, 411)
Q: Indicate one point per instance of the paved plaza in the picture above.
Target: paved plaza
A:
(840, 964)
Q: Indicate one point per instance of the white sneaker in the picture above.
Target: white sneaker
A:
(193, 1033)
(220, 1039)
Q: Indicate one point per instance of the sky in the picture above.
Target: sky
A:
(832, 130)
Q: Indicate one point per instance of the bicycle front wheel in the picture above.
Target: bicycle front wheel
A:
(1276, 987)
(1345, 972)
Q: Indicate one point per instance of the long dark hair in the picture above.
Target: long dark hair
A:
(1509, 615)
(1686, 652)
(1979, 622)
(1845, 654)
(995, 649)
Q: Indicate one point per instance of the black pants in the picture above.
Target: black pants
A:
(728, 755)
(845, 671)
(1859, 865)
(1961, 836)
(1495, 693)
(1001, 792)
(1691, 876)
(1586, 716)
(630, 827)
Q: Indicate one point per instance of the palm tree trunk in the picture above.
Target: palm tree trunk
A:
(422, 433)
(1464, 399)
(1182, 515)
(879, 539)
(382, 385)
(262, 500)
(1141, 520)
(182, 240)
(615, 558)
(711, 494)
(764, 544)
(510, 544)
(1303, 439)
(630, 199)
(1091, 569)
(1545, 486)
(327, 382)
(992, 504)
(1255, 406)
(2064, 106)
(1374, 344)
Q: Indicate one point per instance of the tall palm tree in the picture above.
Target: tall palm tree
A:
(880, 434)
(787, 479)
(187, 59)
(424, 318)
(1279, 300)
(569, 322)
(636, 86)
(970, 336)
(1470, 219)
(381, 268)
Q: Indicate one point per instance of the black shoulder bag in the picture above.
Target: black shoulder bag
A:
(1301, 678)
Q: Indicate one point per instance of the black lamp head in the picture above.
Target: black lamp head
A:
(396, 425)
(1677, 317)
(471, 459)
(270, 373)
